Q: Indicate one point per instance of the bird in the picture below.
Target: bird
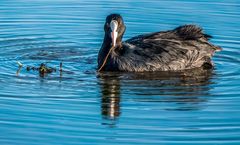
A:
(184, 48)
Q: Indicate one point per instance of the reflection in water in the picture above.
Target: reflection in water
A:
(110, 97)
(187, 90)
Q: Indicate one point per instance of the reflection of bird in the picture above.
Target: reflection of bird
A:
(110, 98)
(188, 89)
(185, 47)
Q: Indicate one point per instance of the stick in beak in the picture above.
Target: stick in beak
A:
(114, 33)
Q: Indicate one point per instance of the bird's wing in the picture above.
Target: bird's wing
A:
(180, 48)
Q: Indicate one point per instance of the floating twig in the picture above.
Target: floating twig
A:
(60, 67)
(43, 69)
(19, 64)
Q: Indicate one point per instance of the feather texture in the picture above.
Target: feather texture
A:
(185, 47)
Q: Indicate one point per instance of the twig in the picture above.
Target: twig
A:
(19, 64)
(105, 60)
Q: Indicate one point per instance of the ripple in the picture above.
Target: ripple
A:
(81, 106)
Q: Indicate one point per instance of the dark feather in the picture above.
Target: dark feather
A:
(189, 32)
(185, 47)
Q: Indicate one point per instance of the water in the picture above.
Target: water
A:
(80, 106)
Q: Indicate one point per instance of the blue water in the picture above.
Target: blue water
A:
(80, 106)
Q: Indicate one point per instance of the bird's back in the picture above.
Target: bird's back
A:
(185, 47)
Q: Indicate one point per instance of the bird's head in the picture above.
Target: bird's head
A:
(114, 28)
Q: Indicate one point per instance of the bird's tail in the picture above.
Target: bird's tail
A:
(217, 48)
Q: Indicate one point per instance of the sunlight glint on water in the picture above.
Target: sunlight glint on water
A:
(80, 106)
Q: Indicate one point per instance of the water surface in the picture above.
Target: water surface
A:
(80, 106)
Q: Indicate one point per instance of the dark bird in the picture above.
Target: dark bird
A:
(185, 47)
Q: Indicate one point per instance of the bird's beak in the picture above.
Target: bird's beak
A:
(114, 33)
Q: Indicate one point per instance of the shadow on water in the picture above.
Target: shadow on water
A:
(187, 90)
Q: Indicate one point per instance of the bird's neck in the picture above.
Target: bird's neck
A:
(106, 46)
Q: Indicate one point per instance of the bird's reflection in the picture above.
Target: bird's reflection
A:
(186, 89)
(110, 88)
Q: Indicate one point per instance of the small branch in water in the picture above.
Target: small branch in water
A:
(43, 69)
(60, 67)
(20, 65)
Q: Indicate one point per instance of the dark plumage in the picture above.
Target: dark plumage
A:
(185, 47)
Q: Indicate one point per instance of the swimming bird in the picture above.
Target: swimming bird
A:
(185, 47)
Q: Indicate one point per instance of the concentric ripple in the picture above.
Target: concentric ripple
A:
(81, 106)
